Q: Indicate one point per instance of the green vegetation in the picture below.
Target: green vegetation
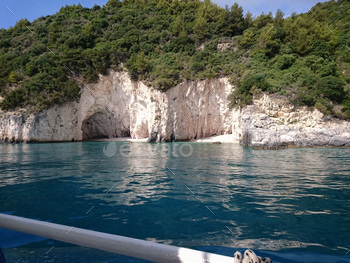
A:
(305, 57)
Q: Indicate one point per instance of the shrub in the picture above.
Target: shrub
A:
(70, 90)
(13, 99)
(31, 70)
(14, 77)
(197, 67)
(321, 106)
(284, 61)
(255, 79)
(332, 88)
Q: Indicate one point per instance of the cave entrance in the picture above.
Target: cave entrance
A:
(99, 125)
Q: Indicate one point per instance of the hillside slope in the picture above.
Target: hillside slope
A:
(305, 57)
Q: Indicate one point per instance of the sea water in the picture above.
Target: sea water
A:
(292, 205)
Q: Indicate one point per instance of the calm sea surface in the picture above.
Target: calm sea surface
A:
(292, 205)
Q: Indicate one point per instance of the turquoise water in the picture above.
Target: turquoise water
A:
(290, 204)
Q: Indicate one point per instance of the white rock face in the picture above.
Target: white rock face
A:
(272, 122)
(119, 107)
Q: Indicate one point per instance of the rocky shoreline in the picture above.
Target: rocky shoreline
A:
(118, 107)
(273, 123)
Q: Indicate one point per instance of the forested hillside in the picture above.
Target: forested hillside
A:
(305, 57)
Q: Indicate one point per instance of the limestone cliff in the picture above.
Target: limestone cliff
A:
(119, 107)
(272, 122)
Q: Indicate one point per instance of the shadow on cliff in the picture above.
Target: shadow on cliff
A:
(100, 125)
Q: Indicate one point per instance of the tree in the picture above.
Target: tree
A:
(263, 20)
(269, 42)
(248, 21)
(236, 19)
(303, 41)
(200, 29)
(88, 30)
(53, 32)
(138, 65)
(233, 23)
(278, 21)
(114, 3)
(210, 11)
(178, 26)
(248, 39)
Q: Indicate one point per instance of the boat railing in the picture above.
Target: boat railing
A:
(132, 247)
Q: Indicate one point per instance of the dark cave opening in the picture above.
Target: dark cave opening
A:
(100, 125)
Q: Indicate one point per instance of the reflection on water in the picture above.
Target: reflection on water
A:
(221, 195)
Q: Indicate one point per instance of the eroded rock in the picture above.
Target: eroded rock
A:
(118, 107)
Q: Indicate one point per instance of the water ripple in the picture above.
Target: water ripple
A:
(219, 196)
